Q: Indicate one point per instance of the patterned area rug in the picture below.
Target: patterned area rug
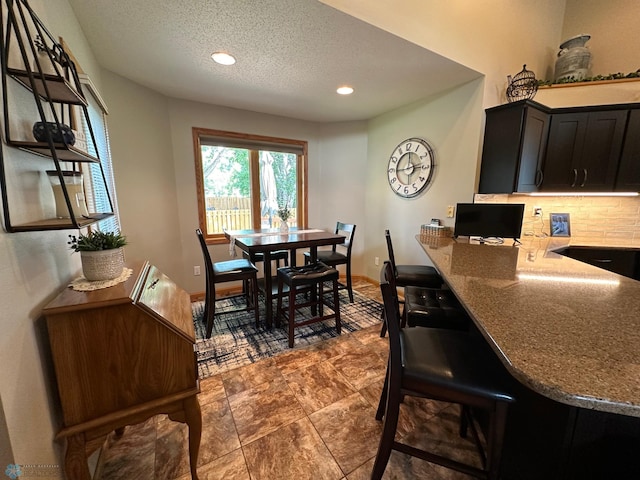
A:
(235, 340)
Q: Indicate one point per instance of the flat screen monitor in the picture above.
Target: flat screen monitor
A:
(503, 220)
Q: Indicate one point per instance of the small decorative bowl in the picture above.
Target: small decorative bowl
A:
(62, 135)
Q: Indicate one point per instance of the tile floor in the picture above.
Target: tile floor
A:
(305, 414)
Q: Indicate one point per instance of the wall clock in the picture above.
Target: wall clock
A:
(410, 167)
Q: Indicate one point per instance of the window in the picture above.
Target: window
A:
(99, 199)
(244, 180)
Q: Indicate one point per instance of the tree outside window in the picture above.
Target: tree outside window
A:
(244, 181)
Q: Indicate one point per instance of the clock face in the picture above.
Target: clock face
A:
(410, 167)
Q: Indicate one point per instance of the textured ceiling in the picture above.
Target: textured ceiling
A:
(292, 55)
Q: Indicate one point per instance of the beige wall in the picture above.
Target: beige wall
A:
(443, 121)
(34, 267)
(613, 26)
(494, 37)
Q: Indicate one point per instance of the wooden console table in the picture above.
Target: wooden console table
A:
(121, 355)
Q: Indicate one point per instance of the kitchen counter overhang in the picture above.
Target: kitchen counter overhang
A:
(565, 329)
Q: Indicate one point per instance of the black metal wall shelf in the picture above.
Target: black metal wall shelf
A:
(47, 71)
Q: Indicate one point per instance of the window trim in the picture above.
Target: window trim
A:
(252, 142)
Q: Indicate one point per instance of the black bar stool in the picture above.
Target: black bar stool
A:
(311, 276)
(445, 365)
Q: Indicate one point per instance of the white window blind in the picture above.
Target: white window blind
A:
(97, 195)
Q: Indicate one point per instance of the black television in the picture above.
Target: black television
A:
(486, 220)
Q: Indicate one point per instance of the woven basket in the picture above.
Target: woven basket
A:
(102, 264)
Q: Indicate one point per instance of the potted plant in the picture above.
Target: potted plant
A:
(101, 254)
(284, 213)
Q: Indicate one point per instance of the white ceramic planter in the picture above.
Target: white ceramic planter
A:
(102, 264)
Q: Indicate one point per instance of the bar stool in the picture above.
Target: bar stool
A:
(444, 365)
(311, 276)
(422, 276)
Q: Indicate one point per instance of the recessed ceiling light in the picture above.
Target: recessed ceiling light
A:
(223, 58)
(345, 90)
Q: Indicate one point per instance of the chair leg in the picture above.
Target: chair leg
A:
(336, 306)
(388, 432)
(279, 301)
(349, 287)
(292, 313)
(383, 330)
(464, 421)
(496, 439)
(254, 294)
(382, 403)
(211, 311)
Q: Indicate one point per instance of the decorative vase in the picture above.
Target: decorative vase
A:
(102, 265)
(573, 59)
(284, 226)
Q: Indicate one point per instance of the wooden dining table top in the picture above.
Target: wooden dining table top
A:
(269, 239)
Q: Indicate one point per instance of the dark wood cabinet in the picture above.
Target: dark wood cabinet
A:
(583, 150)
(514, 147)
(529, 147)
(623, 261)
(628, 179)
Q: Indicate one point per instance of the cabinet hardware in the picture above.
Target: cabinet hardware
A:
(584, 180)
(539, 177)
(575, 177)
(154, 283)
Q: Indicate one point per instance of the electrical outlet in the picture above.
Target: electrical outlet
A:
(196, 270)
(537, 212)
(451, 210)
(376, 260)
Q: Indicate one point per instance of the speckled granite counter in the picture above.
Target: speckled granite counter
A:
(565, 329)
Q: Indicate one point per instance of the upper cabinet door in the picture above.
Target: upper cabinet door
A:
(628, 179)
(566, 137)
(515, 137)
(584, 150)
(601, 150)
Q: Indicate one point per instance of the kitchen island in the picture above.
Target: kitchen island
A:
(569, 333)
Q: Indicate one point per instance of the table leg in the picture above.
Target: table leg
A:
(75, 460)
(268, 292)
(313, 253)
(193, 418)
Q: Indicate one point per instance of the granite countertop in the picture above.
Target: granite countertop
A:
(568, 330)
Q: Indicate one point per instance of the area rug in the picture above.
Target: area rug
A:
(236, 341)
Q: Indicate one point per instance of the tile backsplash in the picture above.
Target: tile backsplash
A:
(611, 220)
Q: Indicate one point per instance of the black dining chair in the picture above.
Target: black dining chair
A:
(228, 271)
(445, 365)
(335, 256)
(422, 276)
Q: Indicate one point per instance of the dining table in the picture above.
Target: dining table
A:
(267, 240)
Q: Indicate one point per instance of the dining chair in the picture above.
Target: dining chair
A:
(228, 271)
(335, 257)
(410, 275)
(444, 365)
